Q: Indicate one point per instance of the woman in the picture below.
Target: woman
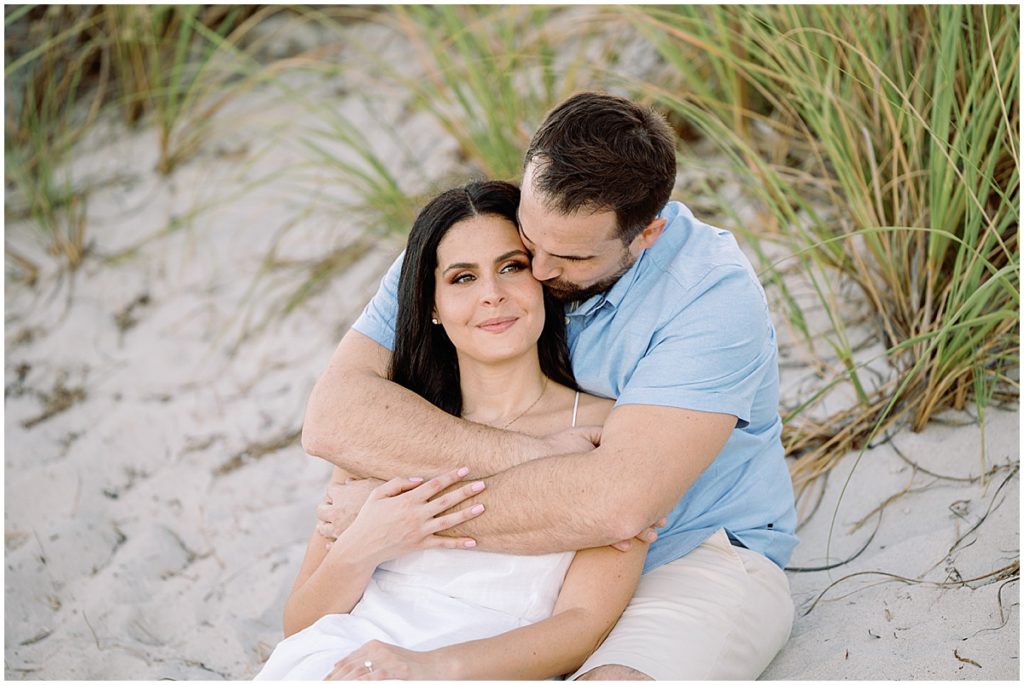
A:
(391, 598)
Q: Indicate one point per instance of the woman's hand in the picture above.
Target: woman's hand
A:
(387, 662)
(400, 517)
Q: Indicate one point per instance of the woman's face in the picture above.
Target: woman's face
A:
(490, 305)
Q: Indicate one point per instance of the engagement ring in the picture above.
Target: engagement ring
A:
(369, 666)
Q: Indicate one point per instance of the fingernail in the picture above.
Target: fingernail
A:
(651, 537)
(469, 543)
(463, 471)
(477, 486)
(416, 479)
(477, 508)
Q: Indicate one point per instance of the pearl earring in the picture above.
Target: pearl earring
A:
(434, 321)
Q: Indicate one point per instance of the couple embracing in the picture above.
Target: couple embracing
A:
(556, 437)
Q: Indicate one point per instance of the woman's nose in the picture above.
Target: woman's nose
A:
(543, 268)
(493, 292)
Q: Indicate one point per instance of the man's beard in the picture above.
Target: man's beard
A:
(568, 293)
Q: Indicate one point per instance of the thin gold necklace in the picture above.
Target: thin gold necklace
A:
(520, 415)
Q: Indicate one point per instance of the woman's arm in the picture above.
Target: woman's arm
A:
(321, 589)
(597, 587)
(400, 516)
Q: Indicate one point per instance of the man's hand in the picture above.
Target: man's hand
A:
(569, 441)
(583, 439)
(340, 505)
(647, 535)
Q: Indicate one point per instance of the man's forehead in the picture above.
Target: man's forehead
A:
(580, 231)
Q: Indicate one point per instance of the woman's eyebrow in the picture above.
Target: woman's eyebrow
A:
(499, 258)
(460, 265)
(512, 253)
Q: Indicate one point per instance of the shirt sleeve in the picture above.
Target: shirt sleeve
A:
(713, 354)
(378, 318)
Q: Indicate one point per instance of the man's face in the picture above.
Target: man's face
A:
(575, 255)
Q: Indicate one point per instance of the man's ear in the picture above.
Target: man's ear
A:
(649, 235)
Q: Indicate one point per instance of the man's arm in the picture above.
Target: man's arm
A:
(369, 426)
(649, 456)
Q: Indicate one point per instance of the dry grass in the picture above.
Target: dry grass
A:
(880, 144)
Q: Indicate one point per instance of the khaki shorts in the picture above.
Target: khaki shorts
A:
(719, 613)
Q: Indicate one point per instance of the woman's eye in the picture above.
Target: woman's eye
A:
(463, 278)
(512, 267)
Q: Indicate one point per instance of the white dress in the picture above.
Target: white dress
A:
(425, 600)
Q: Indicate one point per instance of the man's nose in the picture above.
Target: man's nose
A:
(544, 268)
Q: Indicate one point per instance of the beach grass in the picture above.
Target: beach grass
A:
(170, 67)
(40, 128)
(483, 75)
(879, 146)
(488, 77)
(902, 123)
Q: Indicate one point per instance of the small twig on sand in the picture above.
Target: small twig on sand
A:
(93, 631)
(813, 569)
(960, 479)
(991, 506)
(822, 487)
(965, 660)
(201, 665)
(36, 638)
(58, 400)
(33, 669)
(1004, 616)
(258, 450)
(126, 648)
(857, 525)
(1008, 571)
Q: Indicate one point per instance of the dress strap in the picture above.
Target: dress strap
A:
(575, 406)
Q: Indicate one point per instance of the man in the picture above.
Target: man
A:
(666, 315)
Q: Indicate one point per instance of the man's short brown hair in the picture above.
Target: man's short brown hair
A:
(601, 152)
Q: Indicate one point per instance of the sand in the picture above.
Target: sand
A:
(935, 530)
(157, 502)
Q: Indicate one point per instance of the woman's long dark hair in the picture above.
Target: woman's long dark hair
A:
(424, 359)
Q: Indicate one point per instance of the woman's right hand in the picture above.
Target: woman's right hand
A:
(400, 517)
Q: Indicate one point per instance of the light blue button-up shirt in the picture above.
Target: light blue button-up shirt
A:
(686, 326)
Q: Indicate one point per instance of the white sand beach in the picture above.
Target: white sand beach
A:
(157, 502)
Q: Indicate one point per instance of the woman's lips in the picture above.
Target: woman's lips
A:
(498, 325)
